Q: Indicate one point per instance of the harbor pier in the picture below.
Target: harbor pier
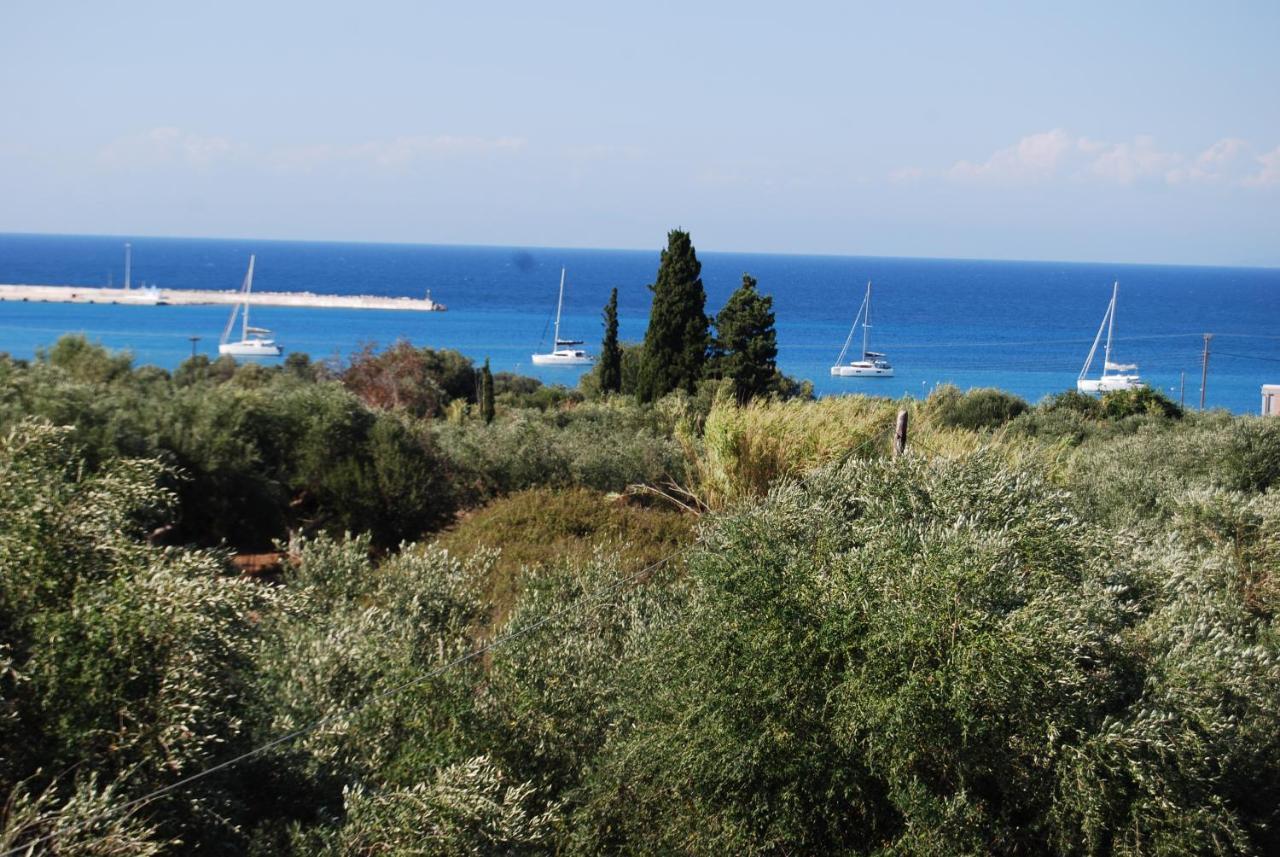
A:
(153, 296)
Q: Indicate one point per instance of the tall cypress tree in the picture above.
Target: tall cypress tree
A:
(675, 343)
(487, 410)
(610, 353)
(746, 344)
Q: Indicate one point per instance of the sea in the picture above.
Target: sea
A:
(1024, 327)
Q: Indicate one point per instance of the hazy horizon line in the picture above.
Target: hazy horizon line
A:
(702, 251)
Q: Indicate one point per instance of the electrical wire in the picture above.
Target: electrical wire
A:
(1246, 356)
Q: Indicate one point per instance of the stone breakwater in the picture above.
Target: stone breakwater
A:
(150, 296)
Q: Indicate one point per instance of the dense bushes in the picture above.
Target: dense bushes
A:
(260, 452)
(542, 528)
(254, 456)
(983, 408)
(606, 446)
(999, 643)
(126, 665)
(914, 658)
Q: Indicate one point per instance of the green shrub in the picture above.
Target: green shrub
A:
(1250, 458)
(254, 456)
(467, 808)
(541, 528)
(605, 446)
(552, 703)
(1138, 401)
(130, 660)
(982, 408)
(902, 657)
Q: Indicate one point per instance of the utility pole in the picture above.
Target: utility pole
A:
(900, 434)
(1182, 390)
(1204, 368)
(128, 262)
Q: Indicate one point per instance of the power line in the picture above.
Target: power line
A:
(1247, 356)
(1002, 342)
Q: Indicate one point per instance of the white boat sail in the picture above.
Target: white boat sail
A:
(872, 364)
(1115, 376)
(563, 352)
(254, 341)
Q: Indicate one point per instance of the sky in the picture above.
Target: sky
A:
(1084, 131)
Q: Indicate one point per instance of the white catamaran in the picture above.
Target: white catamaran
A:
(254, 341)
(562, 352)
(872, 364)
(1115, 376)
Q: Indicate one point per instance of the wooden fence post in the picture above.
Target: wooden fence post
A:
(900, 434)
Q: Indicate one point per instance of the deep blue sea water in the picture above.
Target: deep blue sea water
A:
(1025, 327)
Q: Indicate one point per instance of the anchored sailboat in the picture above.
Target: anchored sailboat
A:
(872, 364)
(562, 352)
(1115, 376)
(254, 341)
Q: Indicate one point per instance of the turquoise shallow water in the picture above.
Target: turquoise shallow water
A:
(1021, 326)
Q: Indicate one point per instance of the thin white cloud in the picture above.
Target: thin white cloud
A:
(164, 146)
(1056, 156)
(1033, 158)
(593, 152)
(169, 146)
(395, 154)
(906, 175)
(1269, 174)
(1226, 161)
(1126, 163)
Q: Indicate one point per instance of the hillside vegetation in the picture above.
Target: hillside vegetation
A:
(1046, 629)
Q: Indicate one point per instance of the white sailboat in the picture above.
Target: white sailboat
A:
(562, 352)
(872, 364)
(1115, 376)
(254, 341)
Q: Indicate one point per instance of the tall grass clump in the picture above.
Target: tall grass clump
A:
(744, 449)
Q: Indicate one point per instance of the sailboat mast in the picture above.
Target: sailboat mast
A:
(248, 284)
(559, 304)
(1111, 325)
(866, 319)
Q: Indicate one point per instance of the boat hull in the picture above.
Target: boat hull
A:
(1109, 384)
(562, 359)
(250, 349)
(861, 372)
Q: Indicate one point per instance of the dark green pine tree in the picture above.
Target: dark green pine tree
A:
(486, 393)
(675, 343)
(746, 344)
(610, 353)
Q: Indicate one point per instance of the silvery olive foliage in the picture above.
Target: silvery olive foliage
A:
(556, 697)
(355, 631)
(124, 663)
(76, 825)
(468, 808)
(946, 656)
(1025, 643)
